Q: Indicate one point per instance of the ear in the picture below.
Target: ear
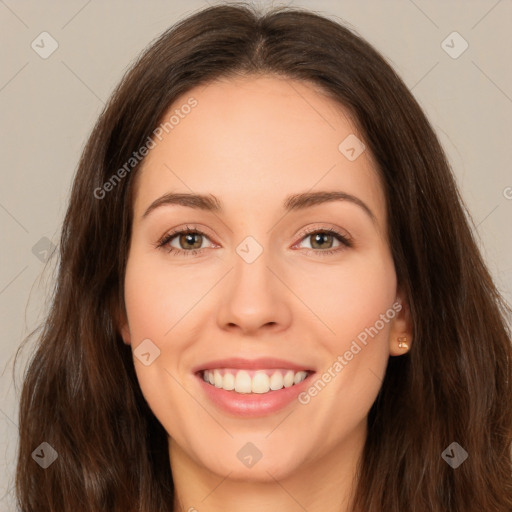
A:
(122, 325)
(401, 325)
(125, 333)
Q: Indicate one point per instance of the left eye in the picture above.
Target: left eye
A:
(319, 238)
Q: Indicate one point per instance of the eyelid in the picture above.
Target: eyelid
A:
(169, 235)
(323, 228)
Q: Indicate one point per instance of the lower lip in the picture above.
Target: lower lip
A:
(253, 404)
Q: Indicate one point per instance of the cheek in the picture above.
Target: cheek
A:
(370, 294)
(349, 296)
(157, 296)
(362, 324)
(349, 300)
(162, 306)
(154, 308)
(356, 304)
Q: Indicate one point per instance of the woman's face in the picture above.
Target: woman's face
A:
(262, 276)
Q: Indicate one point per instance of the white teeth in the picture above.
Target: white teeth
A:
(228, 381)
(260, 383)
(217, 379)
(299, 377)
(241, 381)
(288, 379)
(276, 381)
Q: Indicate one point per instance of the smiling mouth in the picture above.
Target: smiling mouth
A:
(253, 381)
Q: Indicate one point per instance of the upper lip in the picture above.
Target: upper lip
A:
(251, 364)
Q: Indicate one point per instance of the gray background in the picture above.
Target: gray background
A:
(49, 106)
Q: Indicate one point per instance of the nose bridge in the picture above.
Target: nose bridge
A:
(254, 296)
(251, 277)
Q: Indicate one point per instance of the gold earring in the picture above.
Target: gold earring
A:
(401, 342)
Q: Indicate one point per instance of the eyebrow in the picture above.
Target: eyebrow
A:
(294, 202)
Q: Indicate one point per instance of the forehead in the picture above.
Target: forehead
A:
(249, 139)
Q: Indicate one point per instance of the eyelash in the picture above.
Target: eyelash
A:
(162, 243)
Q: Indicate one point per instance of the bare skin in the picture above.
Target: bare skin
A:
(252, 142)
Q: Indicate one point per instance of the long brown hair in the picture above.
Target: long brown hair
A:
(80, 391)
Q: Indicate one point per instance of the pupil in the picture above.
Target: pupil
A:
(318, 238)
(189, 238)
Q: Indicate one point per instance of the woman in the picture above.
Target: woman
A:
(251, 372)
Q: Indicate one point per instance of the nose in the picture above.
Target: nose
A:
(254, 296)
